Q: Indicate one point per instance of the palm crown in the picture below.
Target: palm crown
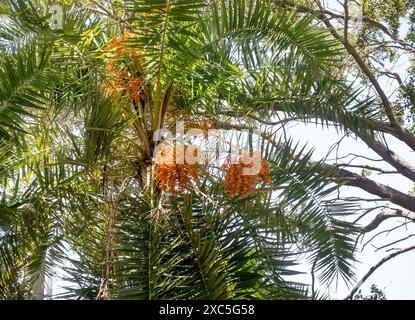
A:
(82, 194)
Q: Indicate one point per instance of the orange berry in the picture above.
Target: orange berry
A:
(169, 174)
(238, 184)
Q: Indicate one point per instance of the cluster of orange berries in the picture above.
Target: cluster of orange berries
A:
(240, 184)
(121, 80)
(173, 171)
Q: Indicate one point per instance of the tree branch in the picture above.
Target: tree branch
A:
(405, 45)
(404, 134)
(394, 242)
(381, 217)
(363, 66)
(403, 167)
(381, 171)
(374, 268)
(375, 125)
(370, 186)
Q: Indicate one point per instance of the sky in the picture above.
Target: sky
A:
(395, 277)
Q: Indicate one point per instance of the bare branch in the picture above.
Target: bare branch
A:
(346, 19)
(375, 188)
(394, 242)
(404, 168)
(366, 167)
(385, 231)
(363, 66)
(381, 217)
(375, 267)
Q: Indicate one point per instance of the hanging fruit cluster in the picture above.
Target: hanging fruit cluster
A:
(121, 81)
(237, 183)
(172, 171)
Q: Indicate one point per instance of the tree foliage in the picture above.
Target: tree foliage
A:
(78, 111)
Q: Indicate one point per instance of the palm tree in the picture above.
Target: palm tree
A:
(80, 189)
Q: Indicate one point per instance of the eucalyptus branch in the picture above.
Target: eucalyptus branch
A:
(401, 165)
(405, 45)
(374, 268)
(366, 167)
(394, 242)
(381, 217)
(373, 187)
(385, 231)
(403, 134)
